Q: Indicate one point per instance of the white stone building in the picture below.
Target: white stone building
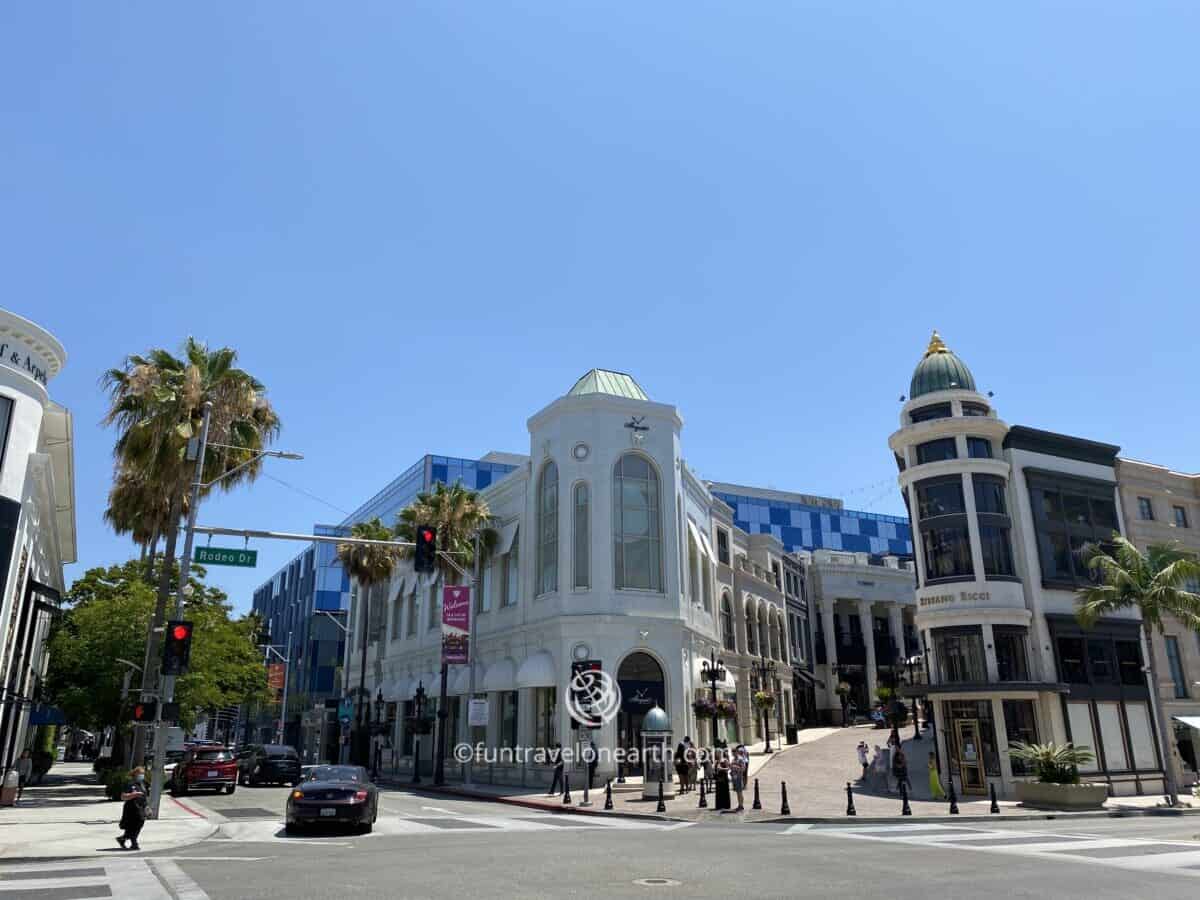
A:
(37, 517)
(609, 550)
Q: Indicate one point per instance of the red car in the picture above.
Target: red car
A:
(206, 767)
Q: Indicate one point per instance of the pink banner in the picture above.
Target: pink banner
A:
(456, 624)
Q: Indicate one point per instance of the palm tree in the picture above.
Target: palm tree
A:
(157, 403)
(1154, 584)
(369, 565)
(137, 509)
(458, 513)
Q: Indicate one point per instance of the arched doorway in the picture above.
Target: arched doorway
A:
(640, 678)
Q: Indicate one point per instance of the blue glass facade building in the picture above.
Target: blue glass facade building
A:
(804, 523)
(314, 580)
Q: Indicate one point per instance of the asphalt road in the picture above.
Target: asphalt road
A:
(440, 847)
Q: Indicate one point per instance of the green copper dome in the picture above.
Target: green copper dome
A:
(604, 381)
(940, 370)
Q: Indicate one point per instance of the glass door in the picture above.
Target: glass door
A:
(970, 759)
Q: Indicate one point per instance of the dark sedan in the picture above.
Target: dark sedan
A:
(333, 795)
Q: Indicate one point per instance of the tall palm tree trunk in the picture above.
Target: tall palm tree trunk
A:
(150, 670)
(152, 553)
(1172, 790)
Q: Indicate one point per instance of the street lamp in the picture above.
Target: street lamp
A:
(712, 670)
(418, 724)
(766, 674)
(912, 662)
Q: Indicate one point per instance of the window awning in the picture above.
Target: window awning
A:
(537, 671)
(695, 533)
(1190, 721)
(501, 676)
(507, 535)
(706, 545)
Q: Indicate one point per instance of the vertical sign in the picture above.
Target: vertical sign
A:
(276, 672)
(456, 624)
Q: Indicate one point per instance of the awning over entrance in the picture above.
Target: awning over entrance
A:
(537, 671)
(501, 676)
(507, 534)
(1190, 721)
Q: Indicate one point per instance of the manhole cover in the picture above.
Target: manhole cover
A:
(248, 813)
(658, 882)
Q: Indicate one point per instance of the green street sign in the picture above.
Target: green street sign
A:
(227, 556)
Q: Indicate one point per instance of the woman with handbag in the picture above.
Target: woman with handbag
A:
(133, 814)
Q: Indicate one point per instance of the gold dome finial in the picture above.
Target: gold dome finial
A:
(936, 345)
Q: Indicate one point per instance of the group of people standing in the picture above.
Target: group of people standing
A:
(726, 770)
(888, 766)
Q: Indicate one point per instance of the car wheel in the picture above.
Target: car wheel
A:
(291, 829)
(180, 790)
(366, 828)
(230, 788)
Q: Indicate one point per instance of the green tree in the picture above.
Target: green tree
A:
(1153, 583)
(157, 402)
(457, 513)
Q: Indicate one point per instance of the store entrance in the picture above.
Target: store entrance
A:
(640, 678)
(970, 757)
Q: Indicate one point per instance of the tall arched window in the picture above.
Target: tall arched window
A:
(773, 628)
(751, 630)
(547, 555)
(583, 536)
(764, 638)
(727, 622)
(637, 525)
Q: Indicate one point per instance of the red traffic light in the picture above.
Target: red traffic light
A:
(426, 535)
(180, 632)
(139, 711)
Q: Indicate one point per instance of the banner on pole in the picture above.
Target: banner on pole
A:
(456, 624)
(275, 675)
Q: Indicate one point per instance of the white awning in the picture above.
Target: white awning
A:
(399, 690)
(422, 681)
(537, 671)
(460, 679)
(507, 535)
(695, 533)
(707, 546)
(1191, 721)
(501, 676)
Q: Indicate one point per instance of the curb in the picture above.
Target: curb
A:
(137, 854)
(533, 804)
(1020, 817)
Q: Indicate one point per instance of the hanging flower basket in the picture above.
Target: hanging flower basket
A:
(763, 700)
(726, 709)
(704, 708)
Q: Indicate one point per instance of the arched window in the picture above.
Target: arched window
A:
(583, 537)
(693, 557)
(637, 525)
(547, 555)
(727, 622)
(764, 638)
(751, 630)
(774, 631)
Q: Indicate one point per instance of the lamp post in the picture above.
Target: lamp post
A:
(931, 717)
(712, 670)
(912, 662)
(418, 724)
(766, 673)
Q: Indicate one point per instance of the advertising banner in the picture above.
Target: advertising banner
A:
(456, 624)
(275, 675)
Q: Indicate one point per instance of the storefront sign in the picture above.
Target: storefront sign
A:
(456, 624)
(960, 597)
(641, 696)
(24, 360)
(477, 714)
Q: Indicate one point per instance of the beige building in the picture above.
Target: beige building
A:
(1163, 507)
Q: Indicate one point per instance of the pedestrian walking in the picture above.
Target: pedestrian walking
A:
(864, 759)
(693, 763)
(133, 814)
(935, 781)
(723, 769)
(556, 757)
(900, 767)
(681, 765)
(24, 771)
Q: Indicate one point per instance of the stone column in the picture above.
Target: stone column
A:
(989, 653)
(868, 633)
(829, 627)
(896, 627)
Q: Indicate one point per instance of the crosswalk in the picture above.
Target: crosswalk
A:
(1181, 857)
(268, 830)
(127, 879)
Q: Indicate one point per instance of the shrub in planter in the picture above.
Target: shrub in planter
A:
(1051, 763)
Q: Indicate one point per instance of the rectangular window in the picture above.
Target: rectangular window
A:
(974, 409)
(936, 451)
(989, 495)
(947, 552)
(940, 497)
(1175, 662)
(1079, 717)
(775, 575)
(479, 732)
(1141, 737)
(1071, 516)
(979, 448)
(397, 614)
(483, 592)
(960, 655)
(1112, 737)
(1020, 721)
(546, 724)
(1101, 662)
(583, 538)
(997, 550)
(512, 575)
(1145, 509)
(722, 546)
(435, 608)
(1181, 518)
(1071, 665)
(926, 413)
(508, 719)
(1011, 661)
(1129, 663)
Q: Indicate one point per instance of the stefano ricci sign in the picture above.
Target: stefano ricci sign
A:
(20, 357)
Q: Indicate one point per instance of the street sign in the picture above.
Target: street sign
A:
(227, 556)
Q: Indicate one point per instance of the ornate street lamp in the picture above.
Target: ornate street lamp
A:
(418, 723)
(766, 674)
(712, 670)
(913, 662)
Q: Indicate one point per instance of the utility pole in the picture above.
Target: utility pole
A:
(287, 674)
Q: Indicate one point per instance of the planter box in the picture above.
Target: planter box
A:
(1061, 796)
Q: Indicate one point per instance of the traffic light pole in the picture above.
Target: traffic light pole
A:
(287, 675)
(182, 589)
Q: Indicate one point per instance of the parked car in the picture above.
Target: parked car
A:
(173, 758)
(333, 795)
(206, 767)
(268, 764)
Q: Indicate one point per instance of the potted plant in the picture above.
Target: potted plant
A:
(1057, 770)
(704, 707)
(726, 709)
(764, 700)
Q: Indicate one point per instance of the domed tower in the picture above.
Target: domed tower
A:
(955, 481)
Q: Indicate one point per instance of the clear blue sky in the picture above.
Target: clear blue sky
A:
(759, 209)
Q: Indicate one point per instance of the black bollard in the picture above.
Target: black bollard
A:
(703, 798)
(995, 807)
(850, 810)
(757, 804)
(566, 789)
(662, 806)
(784, 809)
(620, 773)
(608, 795)
(905, 809)
(586, 800)
(953, 797)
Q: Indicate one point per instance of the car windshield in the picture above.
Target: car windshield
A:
(337, 773)
(213, 755)
(286, 752)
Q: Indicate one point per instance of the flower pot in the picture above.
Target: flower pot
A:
(1061, 796)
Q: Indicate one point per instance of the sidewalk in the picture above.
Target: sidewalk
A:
(68, 815)
(816, 771)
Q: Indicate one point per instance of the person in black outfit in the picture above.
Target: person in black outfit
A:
(133, 814)
(556, 757)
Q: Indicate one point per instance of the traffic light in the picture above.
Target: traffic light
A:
(144, 710)
(177, 648)
(425, 557)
